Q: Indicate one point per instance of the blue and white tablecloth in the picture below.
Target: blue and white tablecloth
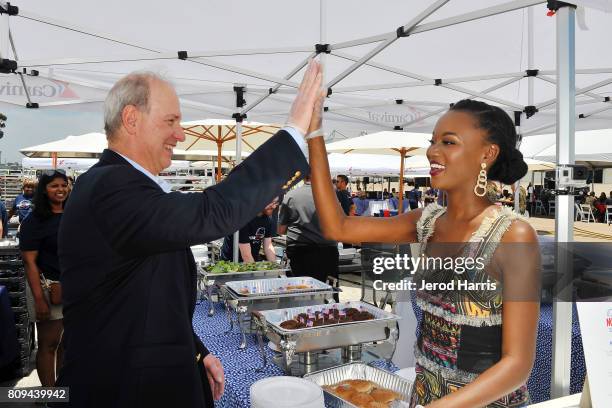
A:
(239, 365)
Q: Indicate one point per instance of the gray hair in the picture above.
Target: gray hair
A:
(133, 89)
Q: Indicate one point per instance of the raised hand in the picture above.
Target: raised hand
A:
(308, 92)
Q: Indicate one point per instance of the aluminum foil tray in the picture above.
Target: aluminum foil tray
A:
(348, 254)
(276, 286)
(276, 317)
(360, 371)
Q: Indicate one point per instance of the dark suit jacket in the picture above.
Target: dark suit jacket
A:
(129, 278)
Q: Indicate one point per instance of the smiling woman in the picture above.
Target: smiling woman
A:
(466, 356)
(38, 244)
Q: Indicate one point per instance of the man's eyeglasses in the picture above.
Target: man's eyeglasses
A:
(53, 172)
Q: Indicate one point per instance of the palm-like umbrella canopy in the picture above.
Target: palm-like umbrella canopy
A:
(217, 134)
(388, 143)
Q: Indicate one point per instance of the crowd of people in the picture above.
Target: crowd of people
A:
(598, 204)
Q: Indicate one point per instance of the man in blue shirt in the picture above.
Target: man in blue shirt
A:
(414, 196)
(3, 220)
(22, 206)
(361, 203)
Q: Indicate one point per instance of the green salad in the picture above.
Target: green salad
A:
(227, 267)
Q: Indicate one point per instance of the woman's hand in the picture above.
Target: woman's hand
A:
(42, 309)
(316, 120)
(302, 108)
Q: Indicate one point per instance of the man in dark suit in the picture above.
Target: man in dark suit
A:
(128, 275)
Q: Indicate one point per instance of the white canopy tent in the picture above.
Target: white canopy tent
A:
(80, 164)
(401, 68)
(376, 165)
(591, 147)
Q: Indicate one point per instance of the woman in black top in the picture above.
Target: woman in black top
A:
(38, 244)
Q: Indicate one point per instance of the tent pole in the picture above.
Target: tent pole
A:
(564, 214)
(530, 55)
(401, 180)
(517, 184)
(219, 146)
(238, 131)
(54, 160)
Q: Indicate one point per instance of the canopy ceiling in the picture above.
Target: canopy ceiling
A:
(463, 49)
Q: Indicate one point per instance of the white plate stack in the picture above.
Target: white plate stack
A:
(286, 392)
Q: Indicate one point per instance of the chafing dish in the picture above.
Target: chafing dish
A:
(360, 371)
(266, 294)
(278, 286)
(348, 335)
(347, 255)
(209, 282)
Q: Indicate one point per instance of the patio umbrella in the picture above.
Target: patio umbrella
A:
(213, 134)
(387, 143)
(91, 145)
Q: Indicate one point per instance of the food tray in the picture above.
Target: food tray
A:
(276, 317)
(360, 371)
(272, 287)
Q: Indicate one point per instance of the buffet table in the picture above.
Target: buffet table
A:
(240, 365)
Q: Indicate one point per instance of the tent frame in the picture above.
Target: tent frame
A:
(564, 102)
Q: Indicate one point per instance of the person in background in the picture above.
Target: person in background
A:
(342, 193)
(609, 199)
(70, 183)
(590, 199)
(394, 201)
(431, 195)
(251, 238)
(38, 244)
(530, 198)
(414, 196)
(600, 206)
(361, 203)
(22, 205)
(308, 251)
(3, 220)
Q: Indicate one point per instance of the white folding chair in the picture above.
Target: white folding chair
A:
(608, 214)
(539, 208)
(577, 212)
(587, 212)
(551, 207)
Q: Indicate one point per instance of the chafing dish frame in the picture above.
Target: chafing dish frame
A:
(383, 328)
(245, 305)
(208, 282)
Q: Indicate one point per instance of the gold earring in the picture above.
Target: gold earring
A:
(482, 181)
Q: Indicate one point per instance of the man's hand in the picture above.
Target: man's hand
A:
(215, 374)
(308, 93)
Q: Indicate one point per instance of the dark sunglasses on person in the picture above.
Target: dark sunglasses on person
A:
(53, 172)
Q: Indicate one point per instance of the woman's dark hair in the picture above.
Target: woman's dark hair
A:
(509, 165)
(42, 207)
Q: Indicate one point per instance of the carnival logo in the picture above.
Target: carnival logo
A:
(48, 88)
(609, 320)
(408, 114)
